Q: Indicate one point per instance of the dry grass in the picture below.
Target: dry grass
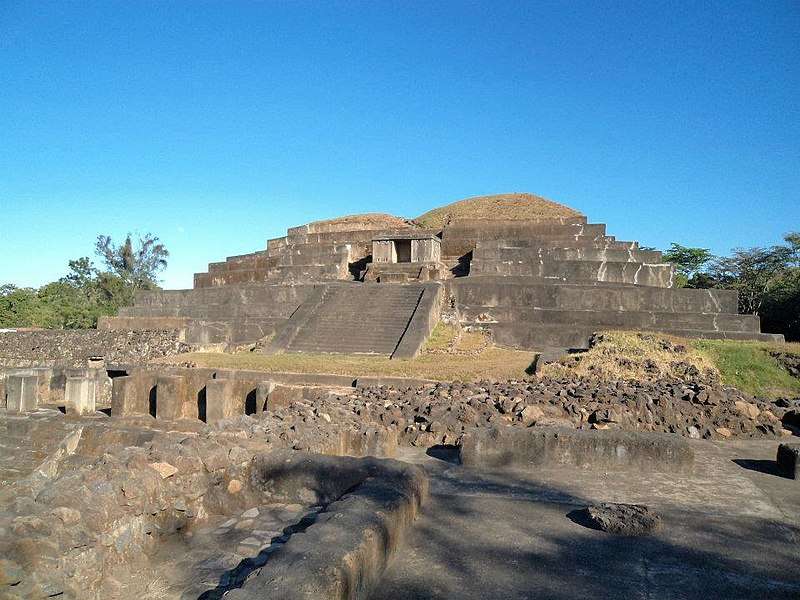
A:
(467, 359)
(452, 354)
(454, 340)
(515, 206)
(634, 355)
(647, 356)
(364, 221)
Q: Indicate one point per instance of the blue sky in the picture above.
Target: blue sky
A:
(216, 125)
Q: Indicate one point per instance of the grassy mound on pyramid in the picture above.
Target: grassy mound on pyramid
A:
(516, 206)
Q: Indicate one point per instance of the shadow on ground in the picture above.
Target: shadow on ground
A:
(769, 467)
(486, 535)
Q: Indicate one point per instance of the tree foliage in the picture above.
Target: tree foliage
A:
(688, 262)
(753, 273)
(85, 293)
(767, 279)
(137, 264)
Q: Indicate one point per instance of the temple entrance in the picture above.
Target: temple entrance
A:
(403, 249)
(152, 401)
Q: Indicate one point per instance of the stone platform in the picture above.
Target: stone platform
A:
(728, 531)
(540, 282)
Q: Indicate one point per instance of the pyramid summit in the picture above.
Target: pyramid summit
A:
(511, 206)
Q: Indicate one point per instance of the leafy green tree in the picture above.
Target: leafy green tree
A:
(138, 264)
(85, 293)
(793, 243)
(21, 307)
(688, 262)
(780, 311)
(81, 272)
(753, 273)
(64, 306)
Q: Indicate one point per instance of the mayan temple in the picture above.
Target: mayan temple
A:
(534, 273)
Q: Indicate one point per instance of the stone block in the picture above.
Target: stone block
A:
(283, 395)
(2, 390)
(263, 390)
(789, 460)
(80, 394)
(22, 392)
(128, 396)
(550, 446)
(170, 394)
(222, 401)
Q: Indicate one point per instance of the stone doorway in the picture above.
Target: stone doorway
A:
(403, 249)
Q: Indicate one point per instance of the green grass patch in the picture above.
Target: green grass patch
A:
(749, 367)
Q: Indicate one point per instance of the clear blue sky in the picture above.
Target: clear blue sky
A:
(216, 125)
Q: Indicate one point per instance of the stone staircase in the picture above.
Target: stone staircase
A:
(358, 319)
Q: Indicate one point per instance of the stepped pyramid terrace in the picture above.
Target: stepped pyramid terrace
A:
(536, 274)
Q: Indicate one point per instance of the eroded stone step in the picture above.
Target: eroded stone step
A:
(614, 319)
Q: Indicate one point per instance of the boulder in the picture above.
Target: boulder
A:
(622, 519)
(789, 460)
(746, 409)
(530, 415)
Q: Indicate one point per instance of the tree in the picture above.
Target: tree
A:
(81, 272)
(793, 241)
(688, 263)
(85, 293)
(21, 307)
(753, 273)
(137, 264)
(780, 311)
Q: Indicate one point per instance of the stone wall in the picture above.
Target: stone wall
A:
(75, 347)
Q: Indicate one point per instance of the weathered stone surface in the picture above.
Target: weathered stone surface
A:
(22, 392)
(68, 516)
(515, 447)
(221, 400)
(170, 395)
(530, 415)
(75, 347)
(746, 409)
(128, 397)
(80, 395)
(623, 519)
(442, 413)
(164, 469)
(344, 552)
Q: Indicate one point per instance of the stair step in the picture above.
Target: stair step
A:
(368, 319)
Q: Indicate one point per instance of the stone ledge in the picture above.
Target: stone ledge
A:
(342, 554)
(370, 381)
(547, 446)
